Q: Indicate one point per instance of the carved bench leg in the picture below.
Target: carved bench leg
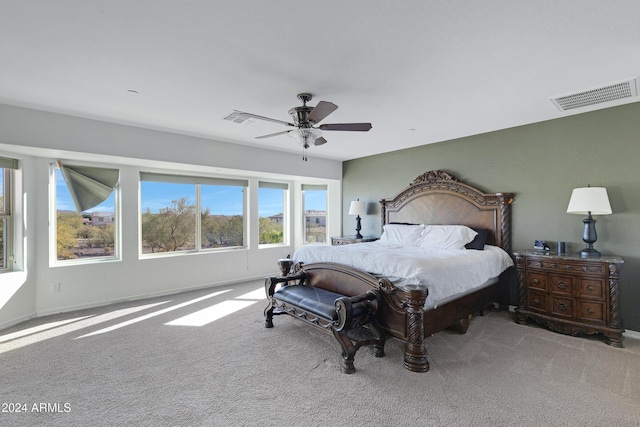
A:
(378, 348)
(269, 287)
(268, 316)
(348, 352)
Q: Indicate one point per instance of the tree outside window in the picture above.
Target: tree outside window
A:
(181, 213)
(272, 212)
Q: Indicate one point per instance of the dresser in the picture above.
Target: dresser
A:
(570, 294)
(347, 240)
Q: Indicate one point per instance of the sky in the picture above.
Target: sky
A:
(222, 200)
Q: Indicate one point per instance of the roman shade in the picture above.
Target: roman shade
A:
(273, 185)
(7, 163)
(89, 186)
(187, 179)
(309, 187)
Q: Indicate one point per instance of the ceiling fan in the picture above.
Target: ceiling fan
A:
(305, 121)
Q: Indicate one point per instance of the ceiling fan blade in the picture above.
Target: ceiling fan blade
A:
(320, 141)
(240, 116)
(322, 110)
(274, 134)
(358, 127)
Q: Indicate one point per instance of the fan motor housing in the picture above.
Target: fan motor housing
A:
(300, 114)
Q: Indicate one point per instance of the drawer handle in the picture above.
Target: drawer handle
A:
(536, 301)
(536, 282)
(590, 288)
(561, 306)
(591, 311)
(561, 285)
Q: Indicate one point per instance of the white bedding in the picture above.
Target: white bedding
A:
(446, 272)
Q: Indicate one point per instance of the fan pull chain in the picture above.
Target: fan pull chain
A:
(304, 153)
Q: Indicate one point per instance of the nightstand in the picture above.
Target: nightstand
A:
(570, 294)
(347, 240)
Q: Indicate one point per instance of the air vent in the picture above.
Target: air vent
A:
(600, 95)
(239, 117)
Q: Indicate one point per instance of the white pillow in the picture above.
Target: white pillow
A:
(446, 236)
(401, 235)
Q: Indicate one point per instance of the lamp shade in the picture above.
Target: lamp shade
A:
(587, 200)
(358, 208)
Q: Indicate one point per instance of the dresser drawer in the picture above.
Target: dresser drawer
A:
(562, 307)
(562, 284)
(537, 281)
(591, 288)
(591, 311)
(570, 267)
(537, 301)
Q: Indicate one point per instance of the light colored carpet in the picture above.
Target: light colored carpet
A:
(146, 367)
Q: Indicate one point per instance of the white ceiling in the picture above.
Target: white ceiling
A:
(419, 71)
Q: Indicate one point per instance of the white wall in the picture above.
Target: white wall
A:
(37, 138)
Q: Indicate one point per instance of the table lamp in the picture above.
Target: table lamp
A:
(358, 208)
(589, 201)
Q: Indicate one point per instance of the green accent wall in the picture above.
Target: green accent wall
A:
(541, 163)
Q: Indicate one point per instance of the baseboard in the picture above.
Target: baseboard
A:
(12, 322)
(632, 334)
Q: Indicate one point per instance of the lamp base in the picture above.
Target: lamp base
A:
(358, 228)
(589, 236)
(589, 253)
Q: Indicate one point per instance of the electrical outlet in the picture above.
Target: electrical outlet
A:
(55, 287)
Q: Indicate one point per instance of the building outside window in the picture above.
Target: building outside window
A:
(314, 202)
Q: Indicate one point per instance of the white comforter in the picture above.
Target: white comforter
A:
(447, 273)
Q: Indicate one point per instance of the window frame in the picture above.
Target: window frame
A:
(311, 187)
(7, 218)
(285, 212)
(53, 223)
(197, 182)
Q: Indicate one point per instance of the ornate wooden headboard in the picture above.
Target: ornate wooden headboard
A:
(436, 197)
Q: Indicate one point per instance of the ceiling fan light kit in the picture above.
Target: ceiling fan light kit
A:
(305, 120)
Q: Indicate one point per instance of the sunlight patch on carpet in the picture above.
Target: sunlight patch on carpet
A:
(39, 328)
(211, 314)
(72, 327)
(258, 294)
(154, 314)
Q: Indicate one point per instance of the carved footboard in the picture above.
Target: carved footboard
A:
(397, 310)
(402, 315)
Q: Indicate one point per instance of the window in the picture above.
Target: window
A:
(314, 206)
(184, 213)
(272, 198)
(85, 212)
(6, 223)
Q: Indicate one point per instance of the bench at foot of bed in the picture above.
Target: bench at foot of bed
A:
(345, 308)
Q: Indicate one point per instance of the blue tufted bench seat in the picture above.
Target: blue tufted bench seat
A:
(316, 301)
(333, 299)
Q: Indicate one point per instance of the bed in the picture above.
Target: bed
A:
(420, 300)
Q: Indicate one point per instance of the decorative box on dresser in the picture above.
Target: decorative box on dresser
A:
(570, 294)
(347, 240)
